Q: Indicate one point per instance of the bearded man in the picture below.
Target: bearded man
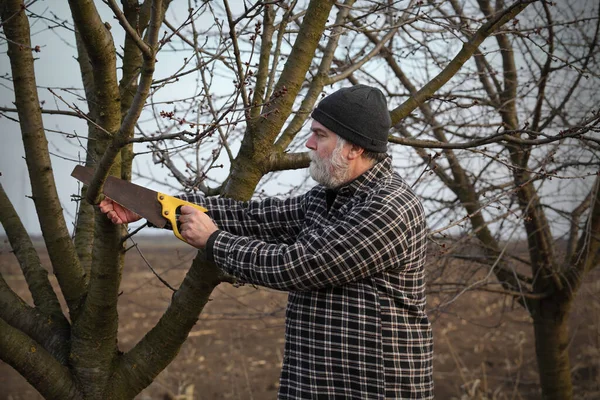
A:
(350, 252)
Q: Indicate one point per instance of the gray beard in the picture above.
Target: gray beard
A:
(330, 172)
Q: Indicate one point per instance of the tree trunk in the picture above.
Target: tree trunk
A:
(551, 330)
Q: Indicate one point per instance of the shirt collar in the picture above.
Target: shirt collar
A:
(368, 179)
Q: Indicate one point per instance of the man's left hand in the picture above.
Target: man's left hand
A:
(195, 226)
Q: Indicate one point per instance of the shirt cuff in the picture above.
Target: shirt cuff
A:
(209, 245)
(218, 249)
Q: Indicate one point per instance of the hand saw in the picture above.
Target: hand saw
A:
(158, 208)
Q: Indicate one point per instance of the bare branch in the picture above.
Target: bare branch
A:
(457, 62)
(46, 111)
(131, 32)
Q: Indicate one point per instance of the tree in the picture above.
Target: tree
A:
(502, 130)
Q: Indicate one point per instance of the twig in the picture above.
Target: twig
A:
(164, 282)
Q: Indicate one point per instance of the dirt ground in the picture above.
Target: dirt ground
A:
(484, 345)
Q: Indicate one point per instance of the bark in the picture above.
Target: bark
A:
(94, 333)
(35, 275)
(266, 43)
(50, 331)
(84, 225)
(253, 158)
(47, 204)
(100, 49)
(320, 79)
(551, 331)
(41, 370)
(132, 63)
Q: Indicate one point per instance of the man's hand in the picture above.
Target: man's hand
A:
(117, 213)
(195, 226)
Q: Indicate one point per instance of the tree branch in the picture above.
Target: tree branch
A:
(238, 57)
(508, 136)
(35, 275)
(457, 62)
(49, 210)
(266, 43)
(287, 161)
(131, 32)
(319, 80)
(587, 255)
(46, 111)
(127, 127)
(52, 331)
(31, 360)
(357, 65)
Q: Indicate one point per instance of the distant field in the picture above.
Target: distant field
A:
(483, 341)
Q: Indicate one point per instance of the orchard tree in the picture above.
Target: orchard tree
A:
(494, 99)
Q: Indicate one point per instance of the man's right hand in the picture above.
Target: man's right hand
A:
(117, 213)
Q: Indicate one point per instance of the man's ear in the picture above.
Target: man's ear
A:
(355, 152)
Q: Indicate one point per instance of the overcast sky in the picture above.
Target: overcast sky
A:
(55, 67)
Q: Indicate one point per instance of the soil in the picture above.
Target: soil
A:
(484, 346)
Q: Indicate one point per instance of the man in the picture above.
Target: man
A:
(350, 252)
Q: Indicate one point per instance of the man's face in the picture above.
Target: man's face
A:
(329, 165)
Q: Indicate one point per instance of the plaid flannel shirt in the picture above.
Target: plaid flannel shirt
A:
(355, 321)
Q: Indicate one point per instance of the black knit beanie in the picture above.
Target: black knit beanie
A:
(359, 114)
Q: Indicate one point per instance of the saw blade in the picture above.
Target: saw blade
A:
(140, 200)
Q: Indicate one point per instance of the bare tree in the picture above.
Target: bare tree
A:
(500, 98)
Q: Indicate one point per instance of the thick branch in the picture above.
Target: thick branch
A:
(287, 161)
(41, 370)
(266, 43)
(127, 127)
(574, 228)
(545, 72)
(261, 133)
(238, 57)
(35, 275)
(281, 30)
(51, 331)
(54, 228)
(319, 79)
(84, 224)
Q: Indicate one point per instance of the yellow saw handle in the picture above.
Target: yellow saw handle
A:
(170, 210)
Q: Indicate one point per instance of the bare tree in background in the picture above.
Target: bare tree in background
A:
(501, 93)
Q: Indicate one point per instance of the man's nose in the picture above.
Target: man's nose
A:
(311, 143)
